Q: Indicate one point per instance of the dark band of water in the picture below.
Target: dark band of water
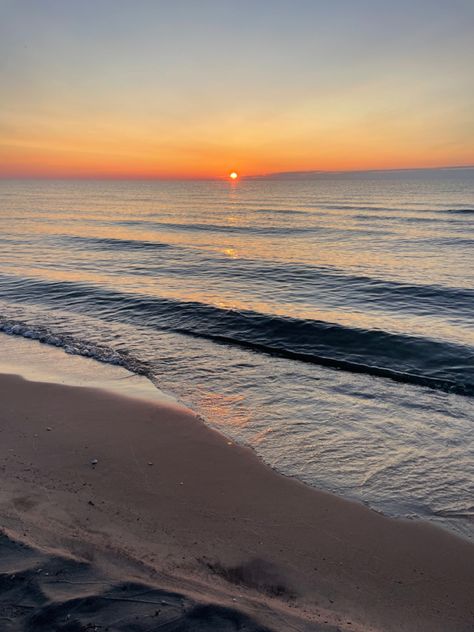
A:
(402, 358)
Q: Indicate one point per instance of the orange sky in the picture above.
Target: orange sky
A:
(156, 91)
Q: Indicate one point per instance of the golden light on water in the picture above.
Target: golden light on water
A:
(233, 175)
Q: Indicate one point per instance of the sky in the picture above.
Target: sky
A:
(199, 88)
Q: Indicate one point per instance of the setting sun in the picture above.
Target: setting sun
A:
(233, 175)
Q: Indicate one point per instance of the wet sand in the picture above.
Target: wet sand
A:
(127, 514)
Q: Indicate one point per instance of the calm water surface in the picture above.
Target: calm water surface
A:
(327, 322)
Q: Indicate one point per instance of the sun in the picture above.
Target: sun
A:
(233, 175)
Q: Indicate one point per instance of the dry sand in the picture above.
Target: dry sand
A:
(176, 528)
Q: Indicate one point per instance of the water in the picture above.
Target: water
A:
(326, 322)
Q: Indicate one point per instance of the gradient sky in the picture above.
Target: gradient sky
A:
(197, 88)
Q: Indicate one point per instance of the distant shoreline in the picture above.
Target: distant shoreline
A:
(286, 175)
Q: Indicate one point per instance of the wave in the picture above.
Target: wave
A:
(279, 211)
(362, 207)
(404, 358)
(119, 244)
(275, 272)
(456, 242)
(459, 211)
(74, 345)
(392, 209)
(226, 228)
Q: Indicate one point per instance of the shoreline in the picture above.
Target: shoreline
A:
(209, 518)
(41, 360)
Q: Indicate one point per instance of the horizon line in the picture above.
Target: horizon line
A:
(269, 175)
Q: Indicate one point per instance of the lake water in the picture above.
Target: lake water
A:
(328, 322)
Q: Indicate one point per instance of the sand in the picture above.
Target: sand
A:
(124, 514)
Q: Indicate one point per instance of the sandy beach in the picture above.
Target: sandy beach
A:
(110, 500)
